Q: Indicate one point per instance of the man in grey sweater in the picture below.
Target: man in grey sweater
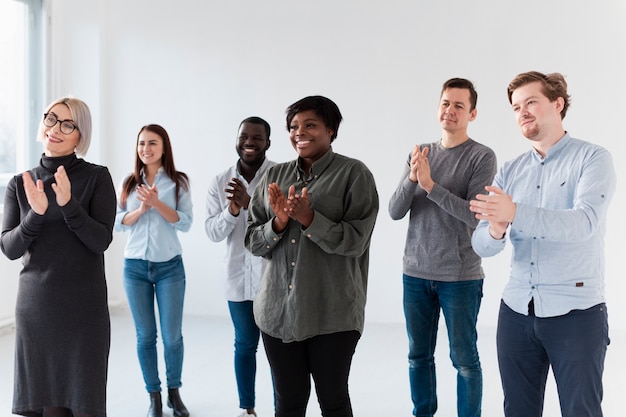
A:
(441, 271)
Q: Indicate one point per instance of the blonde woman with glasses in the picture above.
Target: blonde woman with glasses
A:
(58, 217)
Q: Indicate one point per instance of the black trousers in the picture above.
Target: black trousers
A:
(326, 358)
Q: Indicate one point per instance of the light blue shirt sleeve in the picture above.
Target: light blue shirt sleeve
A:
(559, 226)
(184, 208)
(574, 212)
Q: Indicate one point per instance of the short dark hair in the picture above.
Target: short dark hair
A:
(553, 86)
(257, 121)
(323, 107)
(464, 84)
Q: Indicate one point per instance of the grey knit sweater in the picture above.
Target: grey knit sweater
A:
(438, 242)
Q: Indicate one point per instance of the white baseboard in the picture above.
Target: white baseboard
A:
(7, 325)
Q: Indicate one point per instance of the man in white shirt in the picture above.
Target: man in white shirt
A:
(227, 209)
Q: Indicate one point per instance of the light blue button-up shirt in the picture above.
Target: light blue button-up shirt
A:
(152, 238)
(559, 227)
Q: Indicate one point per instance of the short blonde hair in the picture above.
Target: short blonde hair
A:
(81, 117)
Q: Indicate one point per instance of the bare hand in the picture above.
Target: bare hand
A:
(62, 186)
(278, 202)
(237, 195)
(149, 196)
(299, 206)
(420, 169)
(35, 194)
(497, 208)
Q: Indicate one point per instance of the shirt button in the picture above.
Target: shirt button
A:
(293, 263)
(274, 239)
(290, 287)
(532, 263)
(267, 246)
(293, 240)
(308, 235)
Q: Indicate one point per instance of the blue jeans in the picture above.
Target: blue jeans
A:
(247, 336)
(143, 280)
(574, 345)
(460, 303)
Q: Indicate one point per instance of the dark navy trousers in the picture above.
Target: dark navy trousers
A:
(574, 345)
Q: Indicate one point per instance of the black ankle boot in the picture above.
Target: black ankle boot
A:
(156, 407)
(176, 404)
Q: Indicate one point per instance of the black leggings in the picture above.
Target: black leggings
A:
(327, 358)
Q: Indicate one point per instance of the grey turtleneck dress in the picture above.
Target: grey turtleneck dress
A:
(62, 318)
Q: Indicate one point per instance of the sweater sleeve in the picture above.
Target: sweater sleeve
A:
(94, 225)
(482, 170)
(402, 198)
(17, 233)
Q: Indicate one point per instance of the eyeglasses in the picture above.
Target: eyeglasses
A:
(51, 119)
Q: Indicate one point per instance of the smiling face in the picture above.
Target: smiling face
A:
(150, 148)
(252, 142)
(55, 142)
(310, 136)
(536, 115)
(454, 110)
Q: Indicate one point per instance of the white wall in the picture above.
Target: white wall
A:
(198, 68)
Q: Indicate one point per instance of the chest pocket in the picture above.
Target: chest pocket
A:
(329, 205)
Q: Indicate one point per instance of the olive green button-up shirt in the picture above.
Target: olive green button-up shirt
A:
(316, 278)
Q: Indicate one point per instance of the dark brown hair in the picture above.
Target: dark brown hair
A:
(462, 83)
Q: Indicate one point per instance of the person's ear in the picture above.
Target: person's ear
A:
(560, 104)
(473, 114)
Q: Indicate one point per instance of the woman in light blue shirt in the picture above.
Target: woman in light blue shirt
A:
(154, 204)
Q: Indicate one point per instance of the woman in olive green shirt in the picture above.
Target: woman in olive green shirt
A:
(312, 219)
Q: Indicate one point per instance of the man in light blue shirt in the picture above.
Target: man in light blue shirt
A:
(553, 202)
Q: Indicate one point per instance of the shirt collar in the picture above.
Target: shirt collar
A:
(555, 149)
(317, 167)
(142, 172)
(259, 171)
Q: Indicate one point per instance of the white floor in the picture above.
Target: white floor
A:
(378, 384)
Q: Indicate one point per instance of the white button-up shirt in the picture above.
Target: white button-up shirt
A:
(243, 270)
